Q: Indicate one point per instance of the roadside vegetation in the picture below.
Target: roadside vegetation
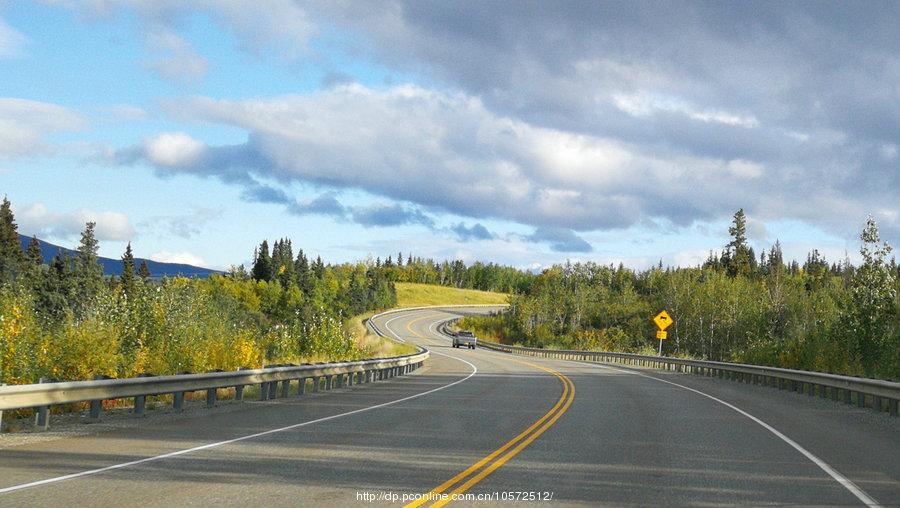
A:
(65, 320)
(415, 295)
(736, 307)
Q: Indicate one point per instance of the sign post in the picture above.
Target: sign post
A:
(662, 320)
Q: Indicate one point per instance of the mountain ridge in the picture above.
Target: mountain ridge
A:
(114, 266)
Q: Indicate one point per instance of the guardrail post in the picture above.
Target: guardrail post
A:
(876, 403)
(328, 382)
(239, 389)
(894, 405)
(140, 401)
(350, 378)
(42, 417)
(368, 376)
(211, 393)
(273, 389)
(264, 390)
(96, 405)
(860, 399)
(301, 389)
(285, 387)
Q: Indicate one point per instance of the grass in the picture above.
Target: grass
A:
(414, 295)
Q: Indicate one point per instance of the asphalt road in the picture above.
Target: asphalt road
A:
(479, 423)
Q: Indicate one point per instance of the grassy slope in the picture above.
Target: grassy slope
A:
(416, 295)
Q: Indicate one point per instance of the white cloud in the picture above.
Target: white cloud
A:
(177, 257)
(174, 59)
(174, 149)
(11, 41)
(24, 125)
(644, 104)
(37, 219)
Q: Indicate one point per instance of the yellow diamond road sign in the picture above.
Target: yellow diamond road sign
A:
(663, 320)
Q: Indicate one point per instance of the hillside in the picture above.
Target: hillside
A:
(414, 295)
(114, 266)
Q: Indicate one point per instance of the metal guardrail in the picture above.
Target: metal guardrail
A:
(322, 375)
(875, 393)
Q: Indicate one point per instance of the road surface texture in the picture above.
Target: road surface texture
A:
(477, 422)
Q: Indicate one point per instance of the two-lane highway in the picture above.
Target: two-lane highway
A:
(480, 423)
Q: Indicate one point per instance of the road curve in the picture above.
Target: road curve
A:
(476, 423)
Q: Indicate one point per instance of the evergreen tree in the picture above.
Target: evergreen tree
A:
(127, 278)
(12, 259)
(319, 268)
(740, 258)
(88, 273)
(400, 259)
(303, 274)
(262, 265)
(144, 271)
(34, 265)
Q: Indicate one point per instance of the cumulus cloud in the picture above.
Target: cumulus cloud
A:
(177, 257)
(25, 125)
(582, 116)
(37, 219)
(175, 149)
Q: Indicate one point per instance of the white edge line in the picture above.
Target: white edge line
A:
(91, 472)
(824, 466)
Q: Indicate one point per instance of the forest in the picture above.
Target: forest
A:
(736, 307)
(62, 319)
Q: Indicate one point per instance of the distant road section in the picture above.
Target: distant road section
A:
(485, 427)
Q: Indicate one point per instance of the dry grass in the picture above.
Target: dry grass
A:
(414, 295)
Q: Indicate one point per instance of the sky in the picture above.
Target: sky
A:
(524, 133)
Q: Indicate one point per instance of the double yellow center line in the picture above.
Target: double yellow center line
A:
(490, 463)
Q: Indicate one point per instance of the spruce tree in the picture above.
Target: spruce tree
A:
(34, 265)
(12, 259)
(88, 272)
(319, 268)
(739, 258)
(303, 274)
(144, 271)
(262, 265)
(127, 278)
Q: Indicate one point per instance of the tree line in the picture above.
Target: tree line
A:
(66, 320)
(734, 307)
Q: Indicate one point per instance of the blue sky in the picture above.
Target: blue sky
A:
(525, 136)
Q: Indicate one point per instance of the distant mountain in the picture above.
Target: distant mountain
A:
(114, 266)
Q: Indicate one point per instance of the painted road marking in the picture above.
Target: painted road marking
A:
(477, 472)
(824, 466)
(90, 472)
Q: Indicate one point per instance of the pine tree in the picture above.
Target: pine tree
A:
(400, 259)
(144, 271)
(127, 278)
(12, 259)
(262, 265)
(34, 265)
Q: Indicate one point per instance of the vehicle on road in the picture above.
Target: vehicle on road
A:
(464, 338)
